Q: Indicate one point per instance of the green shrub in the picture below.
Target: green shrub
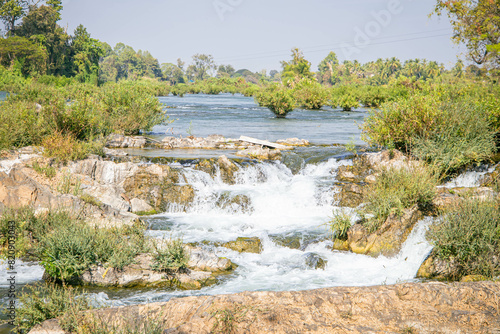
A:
(469, 234)
(465, 137)
(340, 224)
(64, 147)
(309, 94)
(396, 190)
(170, 255)
(67, 253)
(345, 97)
(277, 98)
(48, 301)
(30, 229)
(398, 123)
(130, 109)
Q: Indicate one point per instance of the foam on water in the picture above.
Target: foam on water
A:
(26, 272)
(282, 203)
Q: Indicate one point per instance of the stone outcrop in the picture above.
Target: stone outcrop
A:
(121, 141)
(293, 142)
(448, 197)
(222, 167)
(201, 271)
(245, 245)
(404, 308)
(260, 153)
(388, 239)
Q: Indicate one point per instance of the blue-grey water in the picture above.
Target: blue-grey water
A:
(234, 115)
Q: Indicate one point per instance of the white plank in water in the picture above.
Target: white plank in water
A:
(264, 143)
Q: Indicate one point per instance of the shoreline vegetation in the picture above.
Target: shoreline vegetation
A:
(67, 95)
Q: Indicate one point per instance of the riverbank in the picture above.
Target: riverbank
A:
(402, 308)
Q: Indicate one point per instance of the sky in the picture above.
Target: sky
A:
(259, 34)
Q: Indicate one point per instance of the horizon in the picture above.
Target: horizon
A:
(250, 35)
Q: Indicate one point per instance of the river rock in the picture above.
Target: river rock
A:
(239, 203)
(403, 308)
(293, 142)
(139, 205)
(223, 167)
(447, 197)
(203, 260)
(245, 245)
(350, 195)
(314, 261)
(388, 239)
(296, 240)
(260, 153)
(435, 268)
(121, 141)
(139, 274)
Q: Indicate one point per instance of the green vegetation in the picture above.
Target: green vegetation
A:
(469, 235)
(396, 190)
(48, 171)
(170, 255)
(48, 301)
(340, 224)
(68, 245)
(277, 98)
(448, 125)
(66, 253)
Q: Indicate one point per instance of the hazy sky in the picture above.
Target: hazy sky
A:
(258, 34)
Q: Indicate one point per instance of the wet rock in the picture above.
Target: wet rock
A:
(296, 240)
(157, 186)
(314, 261)
(114, 152)
(260, 153)
(121, 141)
(245, 245)
(191, 142)
(227, 169)
(388, 239)
(435, 268)
(293, 142)
(203, 260)
(139, 274)
(388, 159)
(401, 308)
(350, 195)
(138, 205)
(238, 203)
(447, 197)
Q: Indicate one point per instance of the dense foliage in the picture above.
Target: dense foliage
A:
(469, 236)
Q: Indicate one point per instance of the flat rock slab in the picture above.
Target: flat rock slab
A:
(404, 308)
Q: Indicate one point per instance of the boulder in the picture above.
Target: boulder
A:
(388, 239)
(260, 153)
(314, 261)
(121, 141)
(201, 266)
(245, 245)
(203, 260)
(139, 205)
(293, 142)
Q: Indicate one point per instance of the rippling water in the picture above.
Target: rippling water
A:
(231, 116)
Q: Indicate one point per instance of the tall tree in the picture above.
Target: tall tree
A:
(11, 11)
(327, 70)
(476, 23)
(40, 25)
(296, 69)
(201, 67)
(20, 52)
(87, 53)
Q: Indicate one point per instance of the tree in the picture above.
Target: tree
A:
(57, 5)
(87, 53)
(476, 23)
(11, 11)
(327, 70)
(172, 73)
(20, 52)
(40, 26)
(225, 71)
(201, 67)
(296, 69)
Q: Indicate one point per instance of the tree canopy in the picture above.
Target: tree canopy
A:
(476, 23)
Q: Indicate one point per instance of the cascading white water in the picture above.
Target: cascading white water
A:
(281, 203)
(273, 202)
